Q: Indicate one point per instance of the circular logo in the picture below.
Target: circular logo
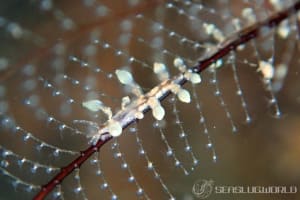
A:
(203, 188)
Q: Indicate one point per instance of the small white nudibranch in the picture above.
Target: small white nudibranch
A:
(132, 110)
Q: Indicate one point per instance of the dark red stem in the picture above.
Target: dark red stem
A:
(65, 171)
(242, 37)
